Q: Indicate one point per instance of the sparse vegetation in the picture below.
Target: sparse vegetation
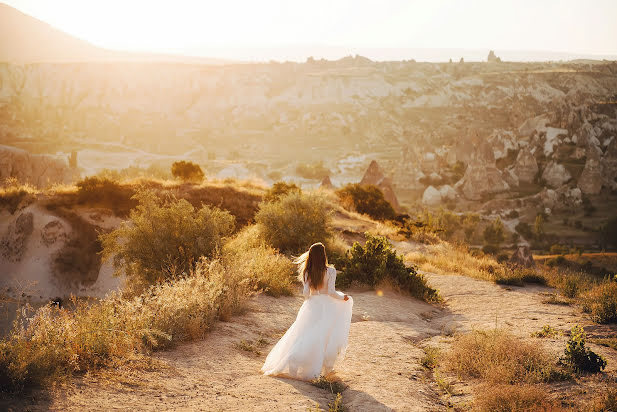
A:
(513, 398)
(279, 189)
(430, 360)
(579, 357)
(547, 331)
(294, 222)
(106, 192)
(601, 302)
(376, 261)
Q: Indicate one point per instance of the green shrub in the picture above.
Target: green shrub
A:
(601, 302)
(376, 261)
(368, 200)
(279, 189)
(579, 357)
(294, 222)
(165, 237)
(494, 233)
(187, 171)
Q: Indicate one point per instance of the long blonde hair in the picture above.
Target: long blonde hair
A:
(313, 263)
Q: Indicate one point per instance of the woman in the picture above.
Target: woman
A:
(318, 337)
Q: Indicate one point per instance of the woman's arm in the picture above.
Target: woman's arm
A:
(331, 282)
(306, 291)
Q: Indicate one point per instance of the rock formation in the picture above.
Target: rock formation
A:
(374, 176)
(590, 181)
(523, 257)
(525, 166)
(37, 170)
(555, 174)
(326, 183)
(13, 243)
(492, 58)
(431, 197)
(482, 177)
(53, 232)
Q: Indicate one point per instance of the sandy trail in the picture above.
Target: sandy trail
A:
(382, 369)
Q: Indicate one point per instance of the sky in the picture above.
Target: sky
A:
(228, 26)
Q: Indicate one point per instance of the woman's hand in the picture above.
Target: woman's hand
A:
(346, 297)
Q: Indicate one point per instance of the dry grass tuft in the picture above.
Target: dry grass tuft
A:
(514, 398)
(498, 357)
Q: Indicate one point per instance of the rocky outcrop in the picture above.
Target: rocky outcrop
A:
(564, 199)
(590, 181)
(492, 58)
(374, 176)
(523, 257)
(326, 183)
(431, 197)
(525, 166)
(53, 232)
(482, 178)
(37, 170)
(13, 244)
(447, 193)
(555, 175)
(609, 165)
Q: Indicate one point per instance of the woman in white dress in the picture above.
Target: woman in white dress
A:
(318, 337)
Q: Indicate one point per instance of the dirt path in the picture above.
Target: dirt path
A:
(382, 369)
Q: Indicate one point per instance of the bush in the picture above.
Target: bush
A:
(494, 233)
(524, 229)
(165, 237)
(498, 357)
(103, 191)
(601, 302)
(312, 171)
(579, 357)
(376, 261)
(368, 200)
(280, 189)
(569, 286)
(187, 171)
(294, 222)
(490, 249)
(559, 249)
(267, 270)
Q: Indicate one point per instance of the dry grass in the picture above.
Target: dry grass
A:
(514, 398)
(54, 343)
(601, 302)
(497, 357)
(14, 196)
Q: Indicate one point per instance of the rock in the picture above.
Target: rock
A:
(37, 170)
(447, 192)
(431, 197)
(609, 165)
(374, 176)
(52, 232)
(534, 124)
(555, 174)
(13, 244)
(523, 257)
(590, 181)
(510, 177)
(481, 180)
(326, 183)
(525, 166)
(492, 58)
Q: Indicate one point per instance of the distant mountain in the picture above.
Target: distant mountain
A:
(25, 39)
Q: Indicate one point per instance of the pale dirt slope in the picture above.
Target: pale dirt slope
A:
(382, 369)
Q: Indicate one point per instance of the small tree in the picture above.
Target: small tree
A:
(187, 171)
(279, 189)
(494, 233)
(538, 227)
(165, 237)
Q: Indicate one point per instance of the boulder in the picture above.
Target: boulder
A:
(523, 257)
(447, 193)
(431, 197)
(374, 176)
(13, 244)
(481, 180)
(525, 166)
(555, 175)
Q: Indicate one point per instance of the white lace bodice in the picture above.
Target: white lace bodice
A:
(327, 287)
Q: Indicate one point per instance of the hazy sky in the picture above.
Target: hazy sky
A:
(181, 26)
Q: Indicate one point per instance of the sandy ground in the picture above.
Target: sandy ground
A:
(382, 369)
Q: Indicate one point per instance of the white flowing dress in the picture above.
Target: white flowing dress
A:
(318, 337)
